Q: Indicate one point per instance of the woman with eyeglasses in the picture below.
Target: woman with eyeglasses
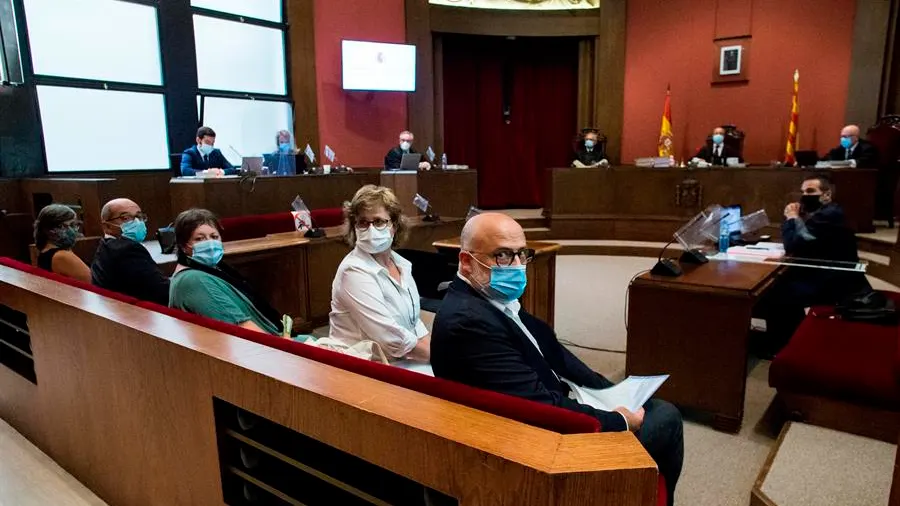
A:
(55, 232)
(374, 297)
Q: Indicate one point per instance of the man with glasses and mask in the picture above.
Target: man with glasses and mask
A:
(482, 337)
(862, 153)
(815, 229)
(122, 264)
(393, 157)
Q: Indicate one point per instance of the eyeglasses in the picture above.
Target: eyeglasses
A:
(129, 217)
(378, 223)
(505, 257)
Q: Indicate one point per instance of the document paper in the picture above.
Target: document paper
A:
(631, 393)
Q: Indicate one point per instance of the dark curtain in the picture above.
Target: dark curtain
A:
(537, 78)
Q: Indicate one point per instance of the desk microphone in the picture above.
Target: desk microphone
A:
(313, 231)
(666, 266)
(247, 175)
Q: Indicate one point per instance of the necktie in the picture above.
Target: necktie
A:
(847, 154)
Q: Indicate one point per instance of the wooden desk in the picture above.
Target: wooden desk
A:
(450, 192)
(539, 298)
(229, 197)
(632, 203)
(694, 328)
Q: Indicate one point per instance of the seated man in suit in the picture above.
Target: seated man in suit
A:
(203, 156)
(589, 152)
(813, 228)
(717, 152)
(393, 157)
(122, 264)
(863, 153)
(482, 337)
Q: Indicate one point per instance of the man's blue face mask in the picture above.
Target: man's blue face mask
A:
(507, 282)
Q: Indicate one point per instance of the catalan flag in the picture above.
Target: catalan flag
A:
(666, 142)
(791, 147)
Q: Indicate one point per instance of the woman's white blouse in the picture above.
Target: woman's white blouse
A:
(367, 304)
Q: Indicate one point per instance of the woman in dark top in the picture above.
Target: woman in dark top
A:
(55, 232)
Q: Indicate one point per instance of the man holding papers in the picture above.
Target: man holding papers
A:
(482, 337)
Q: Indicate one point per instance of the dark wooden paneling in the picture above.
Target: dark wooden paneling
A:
(450, 192)
(609, 76)
(870, 36)
(11, 196)
(623, 194)
(578, 23)
(301, 40)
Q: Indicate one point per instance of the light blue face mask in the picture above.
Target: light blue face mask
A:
(209, 252)
(136, 230)
(588, 143)
(845, 142)
(718, 139)
(206, 149)
(507, 282)
(284, 147)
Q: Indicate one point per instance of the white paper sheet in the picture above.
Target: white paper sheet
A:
(631, 393)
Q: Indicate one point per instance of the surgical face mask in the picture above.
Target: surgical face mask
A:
(846, 142)
(284, 147)
(507, 282)
(374, 241)
(136, 230)
(588, 143)
(206, 149)
(63, 237)
(811, 203)
(405, 145)
(209, 252)
(718, 139)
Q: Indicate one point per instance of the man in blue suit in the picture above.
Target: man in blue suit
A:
(203, 156)
(483, 338)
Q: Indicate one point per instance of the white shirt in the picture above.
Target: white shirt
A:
(367, 304)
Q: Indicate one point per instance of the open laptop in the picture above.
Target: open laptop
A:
(807, 158)
(410, 161)
(281, 165)
(252, 163)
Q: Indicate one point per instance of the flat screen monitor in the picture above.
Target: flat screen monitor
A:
(377, 66)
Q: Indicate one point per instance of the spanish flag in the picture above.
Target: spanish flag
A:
(795, 122)
(666, 142)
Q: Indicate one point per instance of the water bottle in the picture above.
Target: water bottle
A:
(444, 161)
(723, 237)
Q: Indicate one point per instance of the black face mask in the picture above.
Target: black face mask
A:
(810, 203)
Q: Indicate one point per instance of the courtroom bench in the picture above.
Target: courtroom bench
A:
(260, 225)
(539, 415)
(116, 369)
(841, 374)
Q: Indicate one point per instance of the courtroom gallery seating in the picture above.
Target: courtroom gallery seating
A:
(532, 413)
(261, 225)
(842, 375)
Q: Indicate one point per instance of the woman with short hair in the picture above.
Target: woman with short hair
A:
(373, 296)
(55, 232)
(202, 284)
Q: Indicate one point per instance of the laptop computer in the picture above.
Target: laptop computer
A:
(410, 161)
(807, 158)
(281, 165)
(252, 163)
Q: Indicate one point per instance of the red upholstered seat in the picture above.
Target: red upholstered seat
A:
(841, 360)
(260, 225)
(15, 264)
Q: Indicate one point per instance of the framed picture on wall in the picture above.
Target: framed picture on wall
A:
(732, 60)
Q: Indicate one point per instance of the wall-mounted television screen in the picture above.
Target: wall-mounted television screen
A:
(377, 66)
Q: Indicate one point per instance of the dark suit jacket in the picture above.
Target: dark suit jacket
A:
(393, 157)
(192, 162)
(823, 235)
(589, 157)
(473, 342)
(706, 153)
(124, 266)
(865, 153)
